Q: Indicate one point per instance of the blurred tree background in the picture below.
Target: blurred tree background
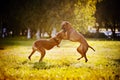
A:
(44, 15)
(108, 15)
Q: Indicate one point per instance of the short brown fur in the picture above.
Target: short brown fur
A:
(73, 35)
(46, 44)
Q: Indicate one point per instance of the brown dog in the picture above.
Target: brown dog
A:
(73, 35)
(46, 44)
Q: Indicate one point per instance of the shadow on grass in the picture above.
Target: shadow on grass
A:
(42, 65)
(45, 65)
(116, 60)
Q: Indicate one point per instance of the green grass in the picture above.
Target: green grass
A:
(59, 63)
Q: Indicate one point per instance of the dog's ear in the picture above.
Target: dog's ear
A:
(60, 34)
(66, 23)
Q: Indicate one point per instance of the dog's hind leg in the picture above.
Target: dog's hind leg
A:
(33, 50)
(85, 58)
(42, 51)
(82, 51)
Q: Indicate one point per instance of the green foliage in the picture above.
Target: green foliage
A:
(44, 15)
(107, 14)
(60, 63)
(84, 14)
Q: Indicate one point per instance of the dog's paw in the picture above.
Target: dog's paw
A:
(29, 58)
(78, 58)
(86, 60)
(58, 46)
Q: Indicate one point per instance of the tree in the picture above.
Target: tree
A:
(44, 15)
(84, 14)
(107, 14)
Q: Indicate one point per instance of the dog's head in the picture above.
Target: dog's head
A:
(66, 25)
(61, 35)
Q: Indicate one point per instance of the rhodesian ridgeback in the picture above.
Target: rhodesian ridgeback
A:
(46, 44)
(73, 35)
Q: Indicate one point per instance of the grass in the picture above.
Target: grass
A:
(59, 63)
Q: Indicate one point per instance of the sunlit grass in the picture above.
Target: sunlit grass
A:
(60, 63)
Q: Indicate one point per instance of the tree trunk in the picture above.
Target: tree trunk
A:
(38, 34)
(113, 32)
(28, 33)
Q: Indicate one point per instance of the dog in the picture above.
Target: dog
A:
(42, 45)
(72, 35)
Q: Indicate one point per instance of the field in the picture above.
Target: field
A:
(59, 63)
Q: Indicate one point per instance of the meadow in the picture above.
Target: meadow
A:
(59, 63)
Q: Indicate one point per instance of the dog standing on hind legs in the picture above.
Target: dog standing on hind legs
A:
(46, 44)
(73, 35)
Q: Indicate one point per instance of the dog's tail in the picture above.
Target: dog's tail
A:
(91, 47)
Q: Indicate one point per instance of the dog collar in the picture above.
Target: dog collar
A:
(56, 40)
